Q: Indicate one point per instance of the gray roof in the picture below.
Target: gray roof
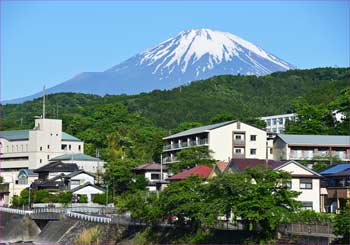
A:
(85, 185)
(199, 130)
(297, 139)
(76, 156)
(13, 135)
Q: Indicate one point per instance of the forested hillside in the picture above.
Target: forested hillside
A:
(134, 125)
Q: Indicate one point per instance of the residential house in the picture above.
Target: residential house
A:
(155, 173)
(306, 147)
(226, 140)
(203, 171)
(337, 182)
(303, 180)
(86, 162)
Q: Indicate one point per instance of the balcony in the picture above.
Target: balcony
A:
(185, 144)
(170, 159)
(238, 142)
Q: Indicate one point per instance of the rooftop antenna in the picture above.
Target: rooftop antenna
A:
(44, 102)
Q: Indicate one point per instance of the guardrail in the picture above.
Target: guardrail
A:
(66, 212)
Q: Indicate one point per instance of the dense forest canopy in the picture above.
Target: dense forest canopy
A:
(132, 126)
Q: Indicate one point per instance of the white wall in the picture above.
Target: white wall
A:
(307, 195)
(220, 141)
(88, 191)
(83, 178)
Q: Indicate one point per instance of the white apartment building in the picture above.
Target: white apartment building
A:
(226, 140)
(307, 147)
(32, 149)
(277, 123)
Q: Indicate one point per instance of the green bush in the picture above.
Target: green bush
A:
(83, 199)
(40, 196)
(101, 199)
(65, 197)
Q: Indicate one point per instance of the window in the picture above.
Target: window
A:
(252, 151)
(307, 205)
(75, 182)
(41, 148)
(238, 125)
(305, 183)
(48, 146)
(22, 180)
(41, 160)
(274, 121)
(17, 148)
(270, 150)
(238, 137)
(155, 176)
(79, 147)
(238, 151)
(48, 157)
(70, 147)
(268, 122)
(288, 184)
(253, 138)
(280, 120)
(63, 147)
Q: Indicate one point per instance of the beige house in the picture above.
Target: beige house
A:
(226, 140)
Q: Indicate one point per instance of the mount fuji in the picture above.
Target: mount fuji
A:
(191, 55)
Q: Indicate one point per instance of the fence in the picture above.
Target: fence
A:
(16, 211)
(314, 229)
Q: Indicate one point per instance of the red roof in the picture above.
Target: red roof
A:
(243, 164)
(221, 166)
(200, 170)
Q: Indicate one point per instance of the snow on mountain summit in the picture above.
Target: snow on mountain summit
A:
(191, 55)
(203, 49)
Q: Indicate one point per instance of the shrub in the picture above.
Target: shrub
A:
(83, 199)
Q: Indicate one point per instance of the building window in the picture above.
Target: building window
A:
(288, 184)
(22, 180)
(155, 176)
(274, 121)
(307, 205)
(268, 122)
(41, 160)
(280, 121)
(271, 151)
(238, 151)
(17, 148)
(70, 147)
(75, 182)
(253, 138)
(48, 157)
(238, 125)
(48, 146)
(63, 147)
(238, 137)
(252, 151)
(79, 147)
(305, 183)
(41, 148)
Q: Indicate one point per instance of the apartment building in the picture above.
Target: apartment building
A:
(306, 147)
(277, 123)
(226, 140)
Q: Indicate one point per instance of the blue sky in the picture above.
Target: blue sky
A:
(50, 42)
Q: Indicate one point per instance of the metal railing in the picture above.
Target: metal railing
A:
(185, 144)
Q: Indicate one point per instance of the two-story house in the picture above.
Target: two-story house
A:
(226, 140)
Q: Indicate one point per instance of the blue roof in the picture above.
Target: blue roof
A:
(13, 135)
(336, 168)
(75, 156)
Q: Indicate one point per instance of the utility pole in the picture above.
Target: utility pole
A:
(44, 102)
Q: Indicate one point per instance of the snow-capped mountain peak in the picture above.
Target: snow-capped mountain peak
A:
(203, 50)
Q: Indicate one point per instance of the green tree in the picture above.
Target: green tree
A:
(342, 225)
(190, 157)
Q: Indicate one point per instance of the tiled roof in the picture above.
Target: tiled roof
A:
(221, 166)
(13, 135)
(199, 129)
(200, 170)
(78, 172)
(57, 167)
(243, 164)
(335, 168)
(75, 156)
(297, 139)
(85, 185)
(150, 166)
